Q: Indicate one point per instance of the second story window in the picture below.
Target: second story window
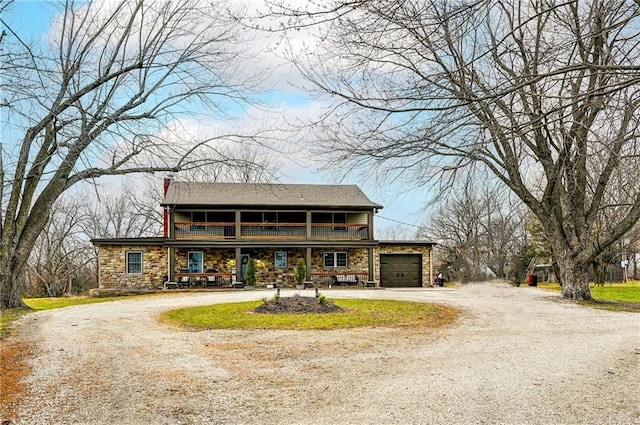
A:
(198, 217)
(335, 259)
(339, 218)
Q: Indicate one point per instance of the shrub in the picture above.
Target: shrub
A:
(300, 271)
(250, 277)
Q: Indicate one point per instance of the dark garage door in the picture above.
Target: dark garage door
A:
(401, 270)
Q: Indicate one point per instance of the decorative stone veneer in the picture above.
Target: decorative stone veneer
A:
(112, 267)
(112, 260)
(357, 260)
(218, 260)
(406, 249)
(223, 261)
(265, 264)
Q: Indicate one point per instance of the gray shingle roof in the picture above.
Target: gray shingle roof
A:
(263, 194)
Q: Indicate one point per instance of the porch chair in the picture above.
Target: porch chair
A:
(212, 281)
(184, 282)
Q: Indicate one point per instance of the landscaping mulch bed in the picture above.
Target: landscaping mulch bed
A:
(297, 304)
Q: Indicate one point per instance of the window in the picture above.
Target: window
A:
(331, 218)
(198, 217)
(335, 259)
(194, 262)
(269, 217)
(134, 262)
(340, 218)
(280, 259)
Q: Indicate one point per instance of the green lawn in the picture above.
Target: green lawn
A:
(627, 292)
(611, 296)
(359, 313)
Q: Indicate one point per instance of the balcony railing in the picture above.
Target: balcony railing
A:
(339, 231)
(271, 231)
(205, 230)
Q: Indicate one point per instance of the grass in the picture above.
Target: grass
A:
(359, 313)
(627, 292)
(38, 304)
(7, 317)
(611, 296)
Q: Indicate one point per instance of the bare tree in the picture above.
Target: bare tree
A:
(128, 213)
(60, 253)
(544, 94)
(238, 164)
(481, 230)
(96, 99)
(396, 233)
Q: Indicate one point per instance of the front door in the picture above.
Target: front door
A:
(243, 265)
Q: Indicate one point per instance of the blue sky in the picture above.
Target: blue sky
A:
(31, 19)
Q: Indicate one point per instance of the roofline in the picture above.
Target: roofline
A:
(159, 241)
(407, 242)
(271, 244)
(194, 243)
(371, 205)
(276, 206)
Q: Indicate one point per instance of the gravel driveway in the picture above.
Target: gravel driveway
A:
(515, 356)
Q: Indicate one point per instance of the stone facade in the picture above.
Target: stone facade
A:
(408, 248)
(218, 260)
(223, 261)
(112, 267)
(112, 263)
(357, 260)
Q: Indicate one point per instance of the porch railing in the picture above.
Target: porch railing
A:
(191, 230)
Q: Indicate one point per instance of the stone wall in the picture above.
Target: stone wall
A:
(112, 260)
(223, 261)
(112, 264)
(357, 260)
(406, 249)
(218, 260)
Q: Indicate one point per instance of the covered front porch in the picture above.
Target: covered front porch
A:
(207, 266)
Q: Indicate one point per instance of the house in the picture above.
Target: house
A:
(211, 228)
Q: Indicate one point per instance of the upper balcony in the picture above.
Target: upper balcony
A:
(191, 230)
(272, 225)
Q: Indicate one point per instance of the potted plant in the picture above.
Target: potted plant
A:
(251, 274)
(300, 273)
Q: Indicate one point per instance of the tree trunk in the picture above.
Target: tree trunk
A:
(600, 271)
(574, 276)
(10, 291)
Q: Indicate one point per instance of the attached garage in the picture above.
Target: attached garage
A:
(401, 270)
(404, 263)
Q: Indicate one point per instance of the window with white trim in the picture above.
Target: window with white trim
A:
(134, 262)
(195, 261)
(335, 259)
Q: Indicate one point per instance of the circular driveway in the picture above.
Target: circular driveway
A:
(515, 356)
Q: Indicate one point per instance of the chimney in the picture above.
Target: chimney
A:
(167, 182)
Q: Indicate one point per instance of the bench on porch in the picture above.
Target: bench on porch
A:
(343, 278)
(204, 280)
